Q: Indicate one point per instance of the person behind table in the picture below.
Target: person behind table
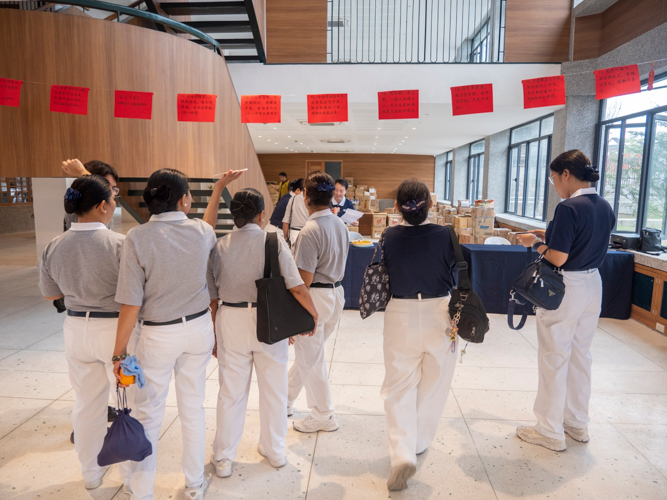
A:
(81, 265)
(576, 241)
(236, 333)
(295, 189)
(296, 216)
(419, 346)
(95, 167)
(162, 282)
(339, 203)
(320, 254)
(283, 188)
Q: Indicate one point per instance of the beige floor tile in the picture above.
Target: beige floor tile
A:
(353, 463)
(11, 305)
(24, 328)
(16, 411)
(54, 342)
(38, 385)
(608, 467)
(650, 440)
(502, 348)
(359, 349)
(643, 339)
(4, 353)
(492, 405)
(357, 373)
(36, 361)
(630, 382)
(631, 408)
(499, 379)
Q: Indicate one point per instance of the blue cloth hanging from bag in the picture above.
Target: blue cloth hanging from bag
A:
(125, 439)
(131, 367)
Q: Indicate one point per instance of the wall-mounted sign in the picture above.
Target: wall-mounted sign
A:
(66, 99)
(10, 92)
(540, 92)
(260, 108)
(196, 107)
(621, 80)
(472, 99)
(129, 104)
(325, 108)
(398, 104)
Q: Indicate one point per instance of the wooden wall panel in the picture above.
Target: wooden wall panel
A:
(537, 31)
(43, 48)
(384, 172)
(624, 21)
(296, 31)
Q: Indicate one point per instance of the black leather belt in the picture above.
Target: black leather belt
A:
(424, 296)
(240, 304)
(326, 285)
(295, 229)
(79, 314)
(176, 321)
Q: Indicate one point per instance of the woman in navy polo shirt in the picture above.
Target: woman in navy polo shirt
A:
(419, 347)
(575, 241)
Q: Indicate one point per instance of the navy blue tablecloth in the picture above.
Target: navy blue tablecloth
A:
(493, 269)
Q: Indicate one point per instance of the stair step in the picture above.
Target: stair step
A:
(201, 216)
(203, 8)
(203, 204)
(221, 26)
(242, 58)
(232, 42)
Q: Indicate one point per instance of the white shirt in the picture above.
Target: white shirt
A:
(583, 191)
(297, 208)
(338, 204)
(87, 226)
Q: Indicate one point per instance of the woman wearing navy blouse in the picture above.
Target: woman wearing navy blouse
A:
(419, 347)
(575, 241)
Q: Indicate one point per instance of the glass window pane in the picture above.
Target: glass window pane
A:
(628, 203)
(656, 214)
(480, 177)
(527, 132)
(542, 174)
(514, 161)
(611, 165)
(477, 147)
(634, 103)
(531, 177)
(521, 176)
(547, 126)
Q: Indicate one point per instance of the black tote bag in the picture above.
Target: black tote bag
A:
(279, 314)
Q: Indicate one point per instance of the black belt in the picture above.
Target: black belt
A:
(424, 296)
(295, 229)
(240, 304)
(79, 314)
(326, 285)
(176, 321)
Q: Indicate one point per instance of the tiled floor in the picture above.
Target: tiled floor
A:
(476, 454)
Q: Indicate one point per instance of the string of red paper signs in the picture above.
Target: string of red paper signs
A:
(324, 108)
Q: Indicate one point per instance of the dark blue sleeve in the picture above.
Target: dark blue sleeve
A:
(563, 229)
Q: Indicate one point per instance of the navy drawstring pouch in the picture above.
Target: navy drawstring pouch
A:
(125, 439)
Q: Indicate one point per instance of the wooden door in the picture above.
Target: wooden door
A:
(314, 166)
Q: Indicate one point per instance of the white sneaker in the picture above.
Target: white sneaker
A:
(196, 493)
(580, 435)
(530, 435)
(398, 479)
(127, 491)
(309, 424)
(274, 463)
(91, 485)
(290, 408)
(223, 468)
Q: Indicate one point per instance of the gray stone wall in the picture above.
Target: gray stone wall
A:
(439, 183)
(460, 173)
(14, 219)
(495, 169)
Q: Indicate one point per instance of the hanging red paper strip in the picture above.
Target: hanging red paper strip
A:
(66, 99)
(621, 80)
(10, 92)
(260, 108)
(651, 76)
(540, 92)
(398, 104)
(196, 107)
(129, 104)
(472, 99)
(324, 108)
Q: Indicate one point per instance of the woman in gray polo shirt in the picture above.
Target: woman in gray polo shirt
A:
(236, 262)
(82, 265)
(162, 283)
(320, 253)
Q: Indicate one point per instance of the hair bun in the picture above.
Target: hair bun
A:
(592, 173)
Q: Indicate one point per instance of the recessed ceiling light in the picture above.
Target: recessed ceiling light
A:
(289, 136)
(286, 147)
(260, 136)
(376, 136)
(413, 128)
(268, 140)
(406, 136)
(274, 128)
(379, 128)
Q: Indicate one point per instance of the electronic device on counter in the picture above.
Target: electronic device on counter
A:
(626, 241)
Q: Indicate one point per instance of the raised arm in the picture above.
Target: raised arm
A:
(211, 214)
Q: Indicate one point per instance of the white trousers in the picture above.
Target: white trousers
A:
(310, 366)
(419, 367)
(564, 339)
(238, 350)
(89, 345)
(185, 350)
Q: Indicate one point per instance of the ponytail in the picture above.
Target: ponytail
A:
(86, 193)
(163, 190)
(246, 205)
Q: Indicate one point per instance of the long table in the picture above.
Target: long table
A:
(492, 270)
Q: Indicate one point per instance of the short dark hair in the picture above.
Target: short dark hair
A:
(165, 187)
(577, 163)
(408, 197)
(283, 174)
(319, 189)
(342, 182)
(246, 205)
(102, 169)
(297, 184)
(92, 189)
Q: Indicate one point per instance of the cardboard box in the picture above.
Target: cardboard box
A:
(377, 233)
(393, 220)
(502, 232)
(512, 238)
(461, 221)
(482, 226)
(484, 203)
(464, 210)
(391, 211)
(432, 220)
(441, 221)
(350, 181)
(464, 203)
(350, 193)
(434, 198)
(465, 231)
(465, 239)
(371, 190)
(353, 229)
(479, 240)
(379, 219)
(482, 212)
(359, 192)
(365, 224)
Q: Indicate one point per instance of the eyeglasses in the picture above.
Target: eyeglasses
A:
(551, 179)
(115, 191)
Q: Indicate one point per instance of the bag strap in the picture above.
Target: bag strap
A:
(464, 278)
(380, 244)
(510, 316)
(271, 260)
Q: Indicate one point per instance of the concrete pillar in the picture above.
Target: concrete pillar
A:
(460, 173)
(495, 169)
(47, 194)
(439, 182)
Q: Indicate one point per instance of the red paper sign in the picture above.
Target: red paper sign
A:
(10, 92)
(540, 92)
(612, 82)
(66, 99)
(260, 109)
(130, 104)
(196, 107)
(651, 76)
(472, 99)
(324, 108)
(398, 104)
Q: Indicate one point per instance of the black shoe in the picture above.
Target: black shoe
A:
(111, 414)
(71, 438)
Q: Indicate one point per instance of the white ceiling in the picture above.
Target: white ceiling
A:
(435, 132)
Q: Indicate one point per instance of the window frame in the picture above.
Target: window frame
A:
(25, 193)
(449, 163)
(478, 158)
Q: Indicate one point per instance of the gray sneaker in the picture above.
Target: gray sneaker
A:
(223, 468)
(530, 435)
(398, 478)
(580, 435)
(309, 424)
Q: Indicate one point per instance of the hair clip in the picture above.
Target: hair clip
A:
(326, 187)
(72, 194)
(413, 205)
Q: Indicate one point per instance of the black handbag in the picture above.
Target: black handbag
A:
(540, 285)
(279, 314)
(375, 292)
(651, 241)
(468, 316)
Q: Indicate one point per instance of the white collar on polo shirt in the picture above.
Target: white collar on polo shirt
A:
(250, 226)
(404, 223)
(168, 216)
(582, 191)
(340, 204)
(87, 226)
(291, 193)
(320, 213)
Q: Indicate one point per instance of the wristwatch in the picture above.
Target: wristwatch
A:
(537, 243)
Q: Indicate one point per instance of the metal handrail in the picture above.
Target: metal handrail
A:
(156, 18)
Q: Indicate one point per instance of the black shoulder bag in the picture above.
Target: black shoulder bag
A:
(651, 241)
(466, 310)
(279, 314)
(375, 292)
(539, 284)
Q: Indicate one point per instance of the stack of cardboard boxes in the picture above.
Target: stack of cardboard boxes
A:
(379, 224)
(273, 188)
(483, 220)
